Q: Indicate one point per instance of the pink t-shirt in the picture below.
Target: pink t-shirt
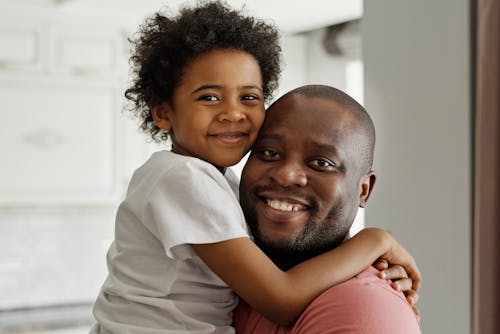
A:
(363, 304)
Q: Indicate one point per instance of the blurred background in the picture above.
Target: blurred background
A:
(68, 151)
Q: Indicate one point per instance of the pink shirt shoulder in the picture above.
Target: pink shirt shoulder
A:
(363, 304)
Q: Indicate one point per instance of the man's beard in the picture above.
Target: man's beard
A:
(315, 238)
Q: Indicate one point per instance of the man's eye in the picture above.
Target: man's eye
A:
(209, 98)
(322, 164)
(270, 154)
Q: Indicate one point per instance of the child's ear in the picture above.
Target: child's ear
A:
(161, 115)
(366, 186)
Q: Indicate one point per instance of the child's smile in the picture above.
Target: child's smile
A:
(217, 109)
(230, 138)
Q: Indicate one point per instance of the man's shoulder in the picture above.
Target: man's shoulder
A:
(364, 302)
(366, 288)
(366, 280)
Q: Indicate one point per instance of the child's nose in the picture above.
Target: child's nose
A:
(231, 112)
(289, 174)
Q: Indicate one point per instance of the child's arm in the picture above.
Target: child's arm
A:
(283, 296)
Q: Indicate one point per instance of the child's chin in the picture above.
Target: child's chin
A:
(226, 162)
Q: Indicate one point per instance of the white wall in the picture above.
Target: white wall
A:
(416, 57)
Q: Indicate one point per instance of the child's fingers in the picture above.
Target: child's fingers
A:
(417, 312)
(413, 273)
(412, 297)
(416, 277)
(403, 284)
(394, 272)
(381, 264)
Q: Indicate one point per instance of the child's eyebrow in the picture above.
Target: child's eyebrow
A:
(251, 87)
(203, 87)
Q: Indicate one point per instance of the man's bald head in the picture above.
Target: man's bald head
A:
(366, 127)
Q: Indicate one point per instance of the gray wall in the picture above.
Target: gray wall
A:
(417, 88)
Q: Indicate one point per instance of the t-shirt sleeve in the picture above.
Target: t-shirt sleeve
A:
(192, 205)
(366, 305)
(357, 306)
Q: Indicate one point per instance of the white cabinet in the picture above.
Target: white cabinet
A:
(67, 152)
(61, 92)
(59, 142)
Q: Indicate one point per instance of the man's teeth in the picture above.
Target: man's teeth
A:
(284, 206)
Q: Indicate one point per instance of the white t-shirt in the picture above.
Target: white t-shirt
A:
(156, 282)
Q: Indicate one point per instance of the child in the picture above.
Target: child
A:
(201, 78)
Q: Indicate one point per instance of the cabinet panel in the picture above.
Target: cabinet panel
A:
(58, 142)
(84, 53)
(20, 46)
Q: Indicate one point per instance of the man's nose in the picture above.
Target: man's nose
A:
(231, 112)
(290, 174)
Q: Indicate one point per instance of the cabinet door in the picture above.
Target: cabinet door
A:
(20, 46)
(58, 142)
(90, 53)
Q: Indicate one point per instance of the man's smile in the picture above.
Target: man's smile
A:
(284, 205)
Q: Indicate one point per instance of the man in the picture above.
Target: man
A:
(316, 147)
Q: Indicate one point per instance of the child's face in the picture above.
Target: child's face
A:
(217, 109)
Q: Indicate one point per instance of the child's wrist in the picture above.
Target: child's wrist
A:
(381, 237)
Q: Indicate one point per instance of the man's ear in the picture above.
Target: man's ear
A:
(161, 115)
(366, 186)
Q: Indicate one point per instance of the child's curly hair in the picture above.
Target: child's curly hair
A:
(165, 45)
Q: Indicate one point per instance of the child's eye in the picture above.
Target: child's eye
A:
(250, 97)
(209, 98)
(322, 164)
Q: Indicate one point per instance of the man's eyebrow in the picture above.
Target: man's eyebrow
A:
(218, 87)
(270, 136)
(323, 146)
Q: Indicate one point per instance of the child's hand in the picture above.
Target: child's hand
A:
(397, 254)
(393, 253)
(400, 281)
(396, 273)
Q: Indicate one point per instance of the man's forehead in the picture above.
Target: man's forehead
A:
(318, 137)
(319, 114)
